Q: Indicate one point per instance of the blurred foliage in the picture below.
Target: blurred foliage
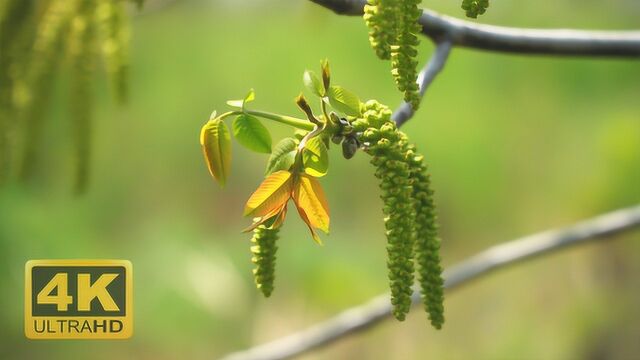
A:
(36, 39)
(555, 141)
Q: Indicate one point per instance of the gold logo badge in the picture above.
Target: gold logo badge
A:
(78, 299)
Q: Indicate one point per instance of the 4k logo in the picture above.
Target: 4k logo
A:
(78, 299)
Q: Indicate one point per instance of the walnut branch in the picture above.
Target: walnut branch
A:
(513, 40)
(377, 309)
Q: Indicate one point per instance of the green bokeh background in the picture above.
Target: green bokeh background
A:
(516, 144)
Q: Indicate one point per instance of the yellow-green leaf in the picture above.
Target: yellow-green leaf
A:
(326, 73)
(216, 147)
(312, 83)
(235, 103)
(309, 197)
(305, 218)
(250, 133)
(344, 101)
(283, 156)
(274, 192)
(276, 216)
(315, 157)
(251, 95)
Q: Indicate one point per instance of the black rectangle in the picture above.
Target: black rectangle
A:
(41, 275)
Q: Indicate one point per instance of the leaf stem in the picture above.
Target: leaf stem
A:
(287, 120)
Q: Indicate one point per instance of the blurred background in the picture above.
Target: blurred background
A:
(516, 145)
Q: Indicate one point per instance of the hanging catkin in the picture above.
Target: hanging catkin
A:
(427, 241)
(82, 52)
(264, 257)
(409, 212)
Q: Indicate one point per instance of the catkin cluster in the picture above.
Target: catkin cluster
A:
(403, 54)
(393, 25)
(380, 17)
(474, 8)
(409, 212)
(35, 39)
(427, 250)
(264, 257)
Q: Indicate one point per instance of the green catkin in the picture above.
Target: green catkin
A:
(32, 91)
(409, 211)
(404, 52)
(36, 35)
(82, 53)
(381, 142)
(393, 28)
(114, 29)
(474, 8)
(381, 17)
(16, 20)
(264, 257)
(427, 250)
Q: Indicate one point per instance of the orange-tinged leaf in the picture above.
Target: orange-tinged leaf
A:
(277, 215)
(216, 147)
(305, 218)
(280, 217)
(309, 197)
(274, 192)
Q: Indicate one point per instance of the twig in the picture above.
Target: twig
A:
(379, 308)
(404, 112)
(513, 40)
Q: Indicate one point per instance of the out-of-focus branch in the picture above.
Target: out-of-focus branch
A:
(512, 40)
(404, 112)
(377, 309)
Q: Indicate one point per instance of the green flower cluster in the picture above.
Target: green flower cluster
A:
(474, 8)
(393, 25)
(264, 257)
(380, 17)
(112, 17)
(403, 54)
(427, 250)
(82, 53)
(409, 211)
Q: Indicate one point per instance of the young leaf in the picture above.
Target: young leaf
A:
(311, 205)
(251, 95)
(309, 197)
(312, 83)
(279, 218)
(216, 147)
(273, 219)
(271, 195)
(304, 106)
(283, 156)
(344, 101)
(250, 133)
(305, 218)
(326, 73)
(315, 157)
(235, 103)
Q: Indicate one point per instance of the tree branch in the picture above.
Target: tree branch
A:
(404, 112)
(512, 40)
(364, 316)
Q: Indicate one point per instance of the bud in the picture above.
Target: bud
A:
(326, 74)
(349, 147)
(304, 106)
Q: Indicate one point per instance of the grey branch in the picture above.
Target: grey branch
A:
(364, 316)
(512, 40)
(404, 112)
